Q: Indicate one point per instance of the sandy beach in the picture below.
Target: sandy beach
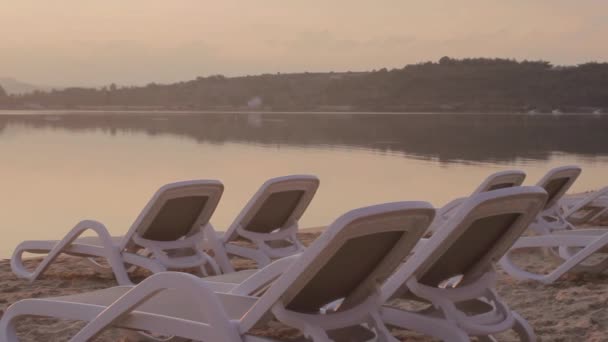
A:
(572, 309)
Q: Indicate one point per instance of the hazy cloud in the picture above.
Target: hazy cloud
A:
(71, 42)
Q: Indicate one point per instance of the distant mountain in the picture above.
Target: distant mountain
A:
(13, 86)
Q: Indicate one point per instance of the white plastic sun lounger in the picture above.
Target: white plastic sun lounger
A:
(566, 212)
(454, 272)
(332, 269)
(573, 246)
(464, 252)
(168, 227)
(495, 181)
(269, 222)
(556, 182)
(585, 208)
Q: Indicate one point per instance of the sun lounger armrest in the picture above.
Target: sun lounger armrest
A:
(460, 293)
(187, 242)
(111, 250)
(285, 233)
(194, 242)
(264, 276)
(205, 300)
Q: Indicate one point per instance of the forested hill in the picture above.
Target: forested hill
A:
(477, 84)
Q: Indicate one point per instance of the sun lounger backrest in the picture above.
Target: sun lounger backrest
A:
(346, 271)
(365, 248)
(557, 182)
(351, 258)
(501, 180)
(480, 234)
(275, 211)
(278, 203)
(177, 210)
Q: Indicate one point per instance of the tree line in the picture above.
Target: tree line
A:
(471, 84)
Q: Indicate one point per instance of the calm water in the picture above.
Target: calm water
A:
(58, 168)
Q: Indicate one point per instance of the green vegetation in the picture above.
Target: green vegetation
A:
(477, 84)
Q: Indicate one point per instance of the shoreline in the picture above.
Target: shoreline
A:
(170, 110)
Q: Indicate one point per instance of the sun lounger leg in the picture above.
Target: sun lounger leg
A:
(220, 255)
(523, 329)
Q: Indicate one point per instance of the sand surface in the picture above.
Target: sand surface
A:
(573, 309)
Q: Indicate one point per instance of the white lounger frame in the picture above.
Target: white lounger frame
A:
(133, 309)
(573, 247)
(585, 208)
(570, 244)
(133, 248)
(445, 319)
(497, 180)
(262, 251)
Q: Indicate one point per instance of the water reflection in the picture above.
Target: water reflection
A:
(444, 137)
(60, 168)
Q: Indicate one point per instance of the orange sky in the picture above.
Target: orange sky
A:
(81, 42)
